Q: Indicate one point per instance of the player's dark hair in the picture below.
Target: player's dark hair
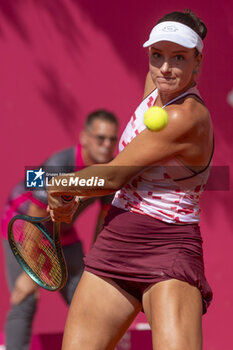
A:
(101, 114)
(188, 18)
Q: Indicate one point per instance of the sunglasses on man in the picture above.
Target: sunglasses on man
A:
(101, 138)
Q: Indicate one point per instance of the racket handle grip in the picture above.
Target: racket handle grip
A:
(67, 198)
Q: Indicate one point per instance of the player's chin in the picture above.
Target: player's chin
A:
(165, 86)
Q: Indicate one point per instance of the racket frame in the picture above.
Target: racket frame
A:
(55, 242)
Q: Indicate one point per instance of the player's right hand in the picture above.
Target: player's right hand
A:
(60, 210)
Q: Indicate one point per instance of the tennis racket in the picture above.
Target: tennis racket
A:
(38, 251)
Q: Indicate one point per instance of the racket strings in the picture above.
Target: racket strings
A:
(37, 251)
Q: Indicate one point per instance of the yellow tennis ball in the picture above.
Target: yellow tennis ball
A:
(155, 118)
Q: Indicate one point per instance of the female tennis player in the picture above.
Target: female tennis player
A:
(149, 254)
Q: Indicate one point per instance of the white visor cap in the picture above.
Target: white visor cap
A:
(175, 32)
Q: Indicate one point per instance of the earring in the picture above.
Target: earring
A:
(194, 71)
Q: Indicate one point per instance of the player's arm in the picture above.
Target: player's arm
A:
(146, 149)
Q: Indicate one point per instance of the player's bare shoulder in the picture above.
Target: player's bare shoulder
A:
(190, 114)
(197, 110)
(192, 124)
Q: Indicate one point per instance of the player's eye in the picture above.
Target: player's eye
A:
(156, 54)
(179, 58)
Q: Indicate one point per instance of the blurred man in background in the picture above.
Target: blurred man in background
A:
(96, 145)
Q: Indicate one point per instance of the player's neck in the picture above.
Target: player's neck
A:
(165, 98)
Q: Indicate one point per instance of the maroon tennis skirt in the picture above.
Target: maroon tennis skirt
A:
(137, 250)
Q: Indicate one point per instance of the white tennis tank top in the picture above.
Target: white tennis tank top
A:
(169, 192)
